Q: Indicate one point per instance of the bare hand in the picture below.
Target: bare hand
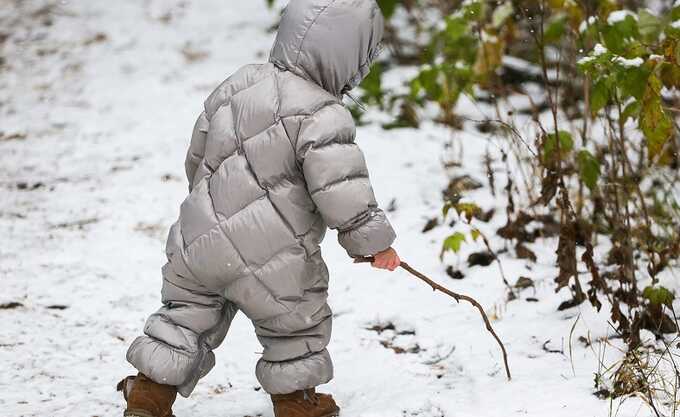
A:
(387, 259)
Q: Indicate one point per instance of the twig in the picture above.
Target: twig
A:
(500, 265)
(506, 125)
(455, 296)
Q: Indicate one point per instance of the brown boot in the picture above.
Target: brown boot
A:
(146, 398)
(305, 403)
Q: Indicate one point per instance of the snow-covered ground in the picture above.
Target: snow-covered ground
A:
(97, 101)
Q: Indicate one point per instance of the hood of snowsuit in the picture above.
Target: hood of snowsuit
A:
(329, 42)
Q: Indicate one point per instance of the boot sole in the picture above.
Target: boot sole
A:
(142, 413)
(136, 413)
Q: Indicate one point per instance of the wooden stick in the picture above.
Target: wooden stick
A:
(455, 296)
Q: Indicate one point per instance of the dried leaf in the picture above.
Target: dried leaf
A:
(525, 253)
(656, 125)
(431, 224)
(566, 254)
(524, 282)
(548, 188)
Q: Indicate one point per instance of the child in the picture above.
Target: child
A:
(272, 163)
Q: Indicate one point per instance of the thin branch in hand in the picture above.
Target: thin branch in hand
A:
(456, 296)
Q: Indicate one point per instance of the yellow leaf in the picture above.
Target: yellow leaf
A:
(489, 56)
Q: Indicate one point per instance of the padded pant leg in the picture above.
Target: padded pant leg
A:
(296, 374)
(294, 341)
(181, 335)
(295, 355)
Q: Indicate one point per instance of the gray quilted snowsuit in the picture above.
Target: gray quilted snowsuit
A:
(272, 163)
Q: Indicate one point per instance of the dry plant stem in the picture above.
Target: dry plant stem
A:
(500, 265)
(457, 297)
(648, 392)
(515, 148)
(571, 334)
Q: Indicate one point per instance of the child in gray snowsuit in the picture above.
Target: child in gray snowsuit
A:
(272, 163)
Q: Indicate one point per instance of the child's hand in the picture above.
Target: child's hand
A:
(387, 259)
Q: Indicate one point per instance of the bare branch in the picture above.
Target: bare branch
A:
(457, 297)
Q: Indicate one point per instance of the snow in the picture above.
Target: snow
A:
(599, 50)
(619, 16)
(585, 60)
(676, 24)
(629, 63)
(96, 111)
(521, 65)
(587, 23)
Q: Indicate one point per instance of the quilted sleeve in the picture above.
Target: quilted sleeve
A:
(337, 179)
(196, 149)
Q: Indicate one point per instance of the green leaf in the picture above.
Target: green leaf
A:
(501, 13)
(550, 145)
(416, 87)
(555, 29)
(633, 81)
(631, 111)
(675, 12)
(627, 27)
(453, 243)
(473, 10)
(475, 233)
(613, 40)
(456, 28)
(588, 169)
(388, 7)
(672, 32)
(428, 78)
(658, 295)
(649, 25)
(599, 96)
(619, 34)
